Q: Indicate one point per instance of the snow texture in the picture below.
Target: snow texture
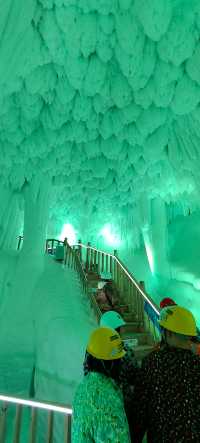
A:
(84, 84)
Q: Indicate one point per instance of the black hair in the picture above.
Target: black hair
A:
(109, 368)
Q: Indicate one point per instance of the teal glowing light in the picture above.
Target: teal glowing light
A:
(150, 257)
(147, 243)
(110, 237)
(68, 232)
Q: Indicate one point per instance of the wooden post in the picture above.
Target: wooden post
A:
(102, 263)
(87, 257)
(111, 265)
(80, 250)
(33, 426)
(106, 263)
(91, 259)
(18, 420)
(67, 429)
(65, 251)
(115, 267)
(46, 248)
(99, 262)
(3, 416)
(95, 259)
(50, 427)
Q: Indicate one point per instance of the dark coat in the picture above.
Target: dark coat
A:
(166, 401)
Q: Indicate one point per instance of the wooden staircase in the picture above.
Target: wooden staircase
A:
(130, 304)
(133, 303)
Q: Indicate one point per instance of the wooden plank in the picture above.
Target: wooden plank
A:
(102, 262)
(111, 265)
(67, 429)
(49, 438)
(99, 261)
(33, 426)
(3, 416)
(107, 263)
(18, 421)
(91, 260)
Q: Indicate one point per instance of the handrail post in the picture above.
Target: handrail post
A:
(33, 426)
(3, 416)
(18, 420)
(80, 249)
(65, 248)
(50, 427)
(46, 247)
(115, 267)
(87, 264)
(67, 429)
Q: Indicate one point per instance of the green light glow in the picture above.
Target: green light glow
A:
(110, 237)
(68, 232)
(150, 257)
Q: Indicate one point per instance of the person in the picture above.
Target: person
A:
(166, 302)
(128, 364)
(166, 402)
(107, 296)
(195, 344)
(98, 410)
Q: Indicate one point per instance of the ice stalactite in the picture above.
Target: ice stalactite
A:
(10, 217)
(159, 237)
(153, 221)
(37, 200)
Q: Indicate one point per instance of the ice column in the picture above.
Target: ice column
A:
(159, 237)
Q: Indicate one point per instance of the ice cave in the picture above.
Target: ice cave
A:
(99, 141)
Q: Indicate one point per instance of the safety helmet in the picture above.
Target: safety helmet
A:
(112, 319)
(167, 302)
(179, 320)
(105, 344)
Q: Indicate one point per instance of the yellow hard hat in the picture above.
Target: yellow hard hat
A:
(178, 320)
(105, 344)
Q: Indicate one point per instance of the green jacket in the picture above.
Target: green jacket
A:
(98, 412)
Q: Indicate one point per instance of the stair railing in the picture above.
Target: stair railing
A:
(145, 310)
(85, 258)
(34, 407)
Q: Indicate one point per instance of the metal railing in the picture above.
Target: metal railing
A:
(34, 407)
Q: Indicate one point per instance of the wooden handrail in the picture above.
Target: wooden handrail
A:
(146, 297)
(34, 405)
(98, 260)
(52, 406)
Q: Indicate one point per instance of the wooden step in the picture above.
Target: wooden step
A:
(129, 317)
(133, 326)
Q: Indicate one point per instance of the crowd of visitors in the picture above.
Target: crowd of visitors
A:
(119, 401)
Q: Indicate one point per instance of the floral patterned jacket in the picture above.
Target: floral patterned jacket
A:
(98, 412)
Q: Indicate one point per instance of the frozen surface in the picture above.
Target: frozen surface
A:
(45, 335)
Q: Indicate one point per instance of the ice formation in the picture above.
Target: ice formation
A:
(99, 111)
(86, 84)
